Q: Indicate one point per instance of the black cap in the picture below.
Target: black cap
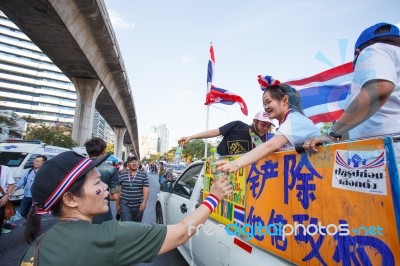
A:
(57, 175)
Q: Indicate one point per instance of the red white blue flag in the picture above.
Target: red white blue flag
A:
(218, 95)
(210, 67)
(238, 215)
(323, 95)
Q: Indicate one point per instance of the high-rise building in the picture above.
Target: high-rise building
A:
(33, 87)
(156, 141)
(102, 129)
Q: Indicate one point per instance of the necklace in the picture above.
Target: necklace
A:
(133, 179)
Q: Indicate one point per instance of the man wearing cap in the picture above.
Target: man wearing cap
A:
(237, 136)
(374, 100)
(134, 191)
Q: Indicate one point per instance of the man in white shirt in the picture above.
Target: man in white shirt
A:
(374, 101)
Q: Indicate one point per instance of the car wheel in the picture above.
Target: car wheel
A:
(159, 215)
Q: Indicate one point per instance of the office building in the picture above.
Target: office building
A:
(156, 141)
(33, 87)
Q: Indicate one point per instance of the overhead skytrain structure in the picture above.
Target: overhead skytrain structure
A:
(78, 37)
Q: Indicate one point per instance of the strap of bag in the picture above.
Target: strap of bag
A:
(36, 260)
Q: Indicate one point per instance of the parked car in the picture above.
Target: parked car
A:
(174, 171)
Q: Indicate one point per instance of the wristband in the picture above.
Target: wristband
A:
(211, 202)
(333, 134)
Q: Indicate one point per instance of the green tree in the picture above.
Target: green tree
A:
(10, 124)
(193, 150)
(52, 135)
(110, 148)
(8, 121)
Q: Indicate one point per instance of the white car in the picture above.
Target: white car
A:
(178, 199)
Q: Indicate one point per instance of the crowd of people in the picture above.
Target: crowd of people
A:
(80, 188)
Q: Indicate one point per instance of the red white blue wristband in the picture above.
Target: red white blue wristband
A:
(211, 202)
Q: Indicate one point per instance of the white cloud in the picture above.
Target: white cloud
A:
(187, 59)
(398, 25)
(118, 22)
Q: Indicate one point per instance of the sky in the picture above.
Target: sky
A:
(165, 48)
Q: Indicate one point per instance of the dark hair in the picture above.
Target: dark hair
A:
(277, 92)
(95, 146)
(131, 158)
(44, 157)
(33, 224)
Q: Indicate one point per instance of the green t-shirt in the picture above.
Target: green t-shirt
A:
(109, 243)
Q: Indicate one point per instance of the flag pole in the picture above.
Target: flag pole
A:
(210, 74)
(207, 116)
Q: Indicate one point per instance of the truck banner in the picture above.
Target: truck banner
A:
(339, 206)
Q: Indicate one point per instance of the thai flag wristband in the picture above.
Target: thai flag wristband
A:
(211, 202)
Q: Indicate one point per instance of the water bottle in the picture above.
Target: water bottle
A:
(215, 157)
(255, 139)
(178, 154)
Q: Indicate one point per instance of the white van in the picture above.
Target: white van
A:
(19, 156)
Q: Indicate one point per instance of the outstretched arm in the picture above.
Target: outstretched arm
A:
(178, 234)
(203, 135)
(254, 155)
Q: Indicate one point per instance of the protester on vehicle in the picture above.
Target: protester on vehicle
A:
(237, 134)
(73, 240)
(283, 103)
(26, 181)
(134, 191)
(374, 100)
(96, 147)
(161, 173)
(7, 184)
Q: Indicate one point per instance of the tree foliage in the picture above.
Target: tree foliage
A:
(192, 151)
(52, 135)
(8, 121)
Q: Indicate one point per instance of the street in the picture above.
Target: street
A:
(12, 247)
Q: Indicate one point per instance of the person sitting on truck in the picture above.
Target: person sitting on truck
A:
(75, 194)
(96, 147)
(375, 89)
(26, 182)
(237, 135)
(281, 102)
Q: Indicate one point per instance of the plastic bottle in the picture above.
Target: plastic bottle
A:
(178, 154)
(215, 157)
(255, 139)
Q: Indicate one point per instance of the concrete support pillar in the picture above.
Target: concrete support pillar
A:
(87, 91)
(119, 140)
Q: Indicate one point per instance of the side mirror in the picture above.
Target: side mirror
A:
(166, 186)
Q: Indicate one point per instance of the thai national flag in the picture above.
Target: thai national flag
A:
(323, 95)
(238, 215)
(218, 95)
(211, 66)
